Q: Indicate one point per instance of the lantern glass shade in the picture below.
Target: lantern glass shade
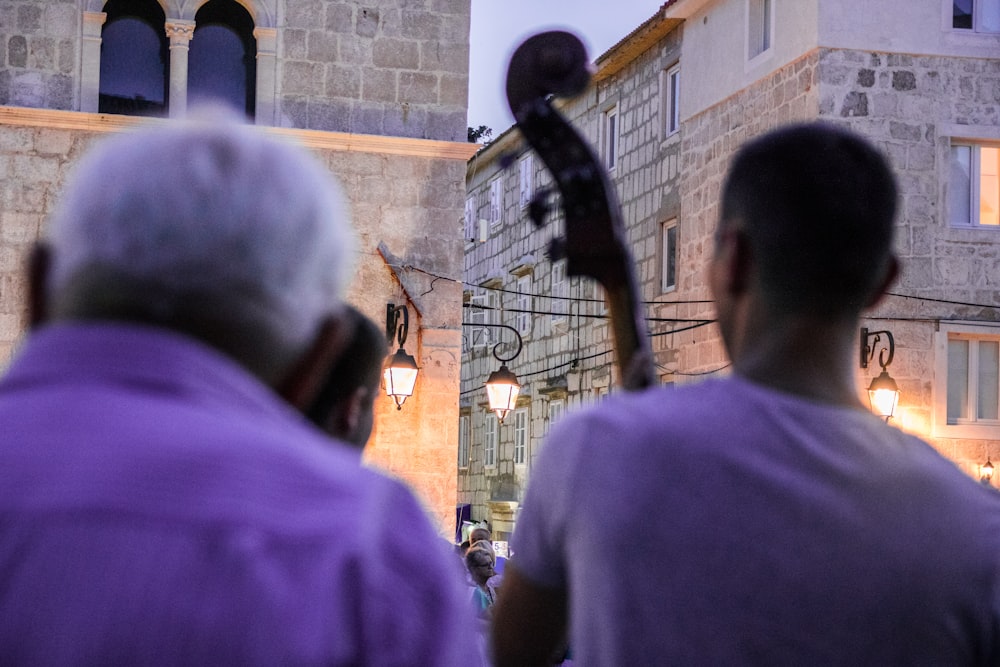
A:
(883, 395)
(502, 389)
(986, 471)
(400, 375)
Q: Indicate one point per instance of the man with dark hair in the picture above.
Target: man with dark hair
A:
(161, 503)
(345, 403)
(767, 518)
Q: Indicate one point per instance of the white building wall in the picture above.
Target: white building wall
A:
(715, 46)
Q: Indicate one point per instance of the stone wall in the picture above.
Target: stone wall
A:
(39, 53)
(390, 68)
(709, 140)
(405, 197)
(381, 68)
(910, 107)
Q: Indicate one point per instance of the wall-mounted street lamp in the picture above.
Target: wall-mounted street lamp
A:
(400, 371)
(883, 393)
(502, 387)
(986, 472)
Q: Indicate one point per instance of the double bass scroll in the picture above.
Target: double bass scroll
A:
(555, 64)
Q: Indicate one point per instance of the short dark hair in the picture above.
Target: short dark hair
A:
(817, 203)
(479, 557)
(359, 365)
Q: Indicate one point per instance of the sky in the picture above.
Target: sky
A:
(499, 26)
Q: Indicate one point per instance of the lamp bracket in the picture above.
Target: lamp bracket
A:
(394, 328)
(496, 348)
(868, 351)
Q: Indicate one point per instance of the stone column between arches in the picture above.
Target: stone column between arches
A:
(90, 61)
(267, 59)
(179, 32)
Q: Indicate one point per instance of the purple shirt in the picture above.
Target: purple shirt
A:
(159, 505)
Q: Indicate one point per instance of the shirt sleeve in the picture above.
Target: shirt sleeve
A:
(540, 540)
(417, 612)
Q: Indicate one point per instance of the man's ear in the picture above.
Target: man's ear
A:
(306, 378)
(734, 259)
(348, 415)
(39, 262)
(891, 273)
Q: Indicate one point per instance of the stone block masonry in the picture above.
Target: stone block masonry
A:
(911, 107)
(379, 68)
(39, 52)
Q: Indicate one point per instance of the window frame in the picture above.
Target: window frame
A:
(600, 302)
(556, 411)
(470, 218)
(526, 178)
(520, 423)
(522, 320)
(491, 439)
(668, 255)
(977, 19)
(496, 201)
(670, 86)
(464, 441)
(971, 428)
(482, 336)
(559, 290)
(759, 35)
(975, 184)
(610, 135)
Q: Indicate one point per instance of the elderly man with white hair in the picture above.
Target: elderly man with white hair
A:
(161, 503)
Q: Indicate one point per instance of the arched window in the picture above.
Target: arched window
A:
(134, 59)
(222, 62)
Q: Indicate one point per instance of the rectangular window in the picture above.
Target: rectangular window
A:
(758, 27)
(481, 313)
(496, 202)
(464, 424)
(974, 186)
(977, 15)
(523, 318)
(967, 373)
(600, 302)
(610, 138)
(490, 440)
(557, 408)
(526, 171)
(560, 290)
(470, 218)
(520, 436)
(972, 380)
(668, 259)
(670, 96)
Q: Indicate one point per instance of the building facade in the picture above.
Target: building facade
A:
(378, 92)
(920, 79)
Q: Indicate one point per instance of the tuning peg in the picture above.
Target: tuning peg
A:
(557, 249)
(539, 207)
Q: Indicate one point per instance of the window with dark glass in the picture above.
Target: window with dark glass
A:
(977, 15)
(222, 61)
(134, 59)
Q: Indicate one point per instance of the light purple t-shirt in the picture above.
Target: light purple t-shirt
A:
(728, 524)
(159, 505)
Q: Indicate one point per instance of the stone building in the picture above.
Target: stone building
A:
(378, 91)
(671, 103)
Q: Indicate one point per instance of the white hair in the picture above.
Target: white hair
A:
(210, 206)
